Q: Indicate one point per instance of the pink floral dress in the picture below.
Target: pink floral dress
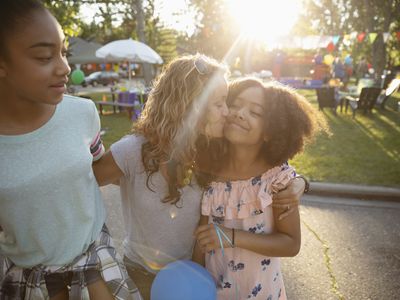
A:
(246, 205)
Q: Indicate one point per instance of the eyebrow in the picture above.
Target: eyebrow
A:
(45, 44)
(251, 102)
(42, 44)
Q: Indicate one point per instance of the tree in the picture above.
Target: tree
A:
(334, 17)
(167, 44)
(137, 7)
(215, 32)
(67, 14)
(162, 40)
(136, 19)
(114, 20)
(218, 35)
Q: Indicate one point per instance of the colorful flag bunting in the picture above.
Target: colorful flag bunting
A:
(347, 39)
(372, 37)
(330, 47)
(335, 39)
(385, 36)
(331, 43)
(360, 37)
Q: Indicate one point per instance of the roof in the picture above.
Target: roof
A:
(82, 51)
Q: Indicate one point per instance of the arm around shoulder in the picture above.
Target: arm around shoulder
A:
(106, 170)
(288, 228)
(293, 192)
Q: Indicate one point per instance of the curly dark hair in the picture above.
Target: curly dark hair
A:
(290, 120)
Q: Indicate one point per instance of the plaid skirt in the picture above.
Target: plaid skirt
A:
(30, 284)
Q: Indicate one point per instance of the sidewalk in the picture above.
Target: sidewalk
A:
(355, 191)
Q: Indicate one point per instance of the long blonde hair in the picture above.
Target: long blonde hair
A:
(170, 119)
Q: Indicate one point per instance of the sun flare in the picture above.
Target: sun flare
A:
(265, 20)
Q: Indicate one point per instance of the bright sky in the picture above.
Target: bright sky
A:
(264, 20)
(173, 13)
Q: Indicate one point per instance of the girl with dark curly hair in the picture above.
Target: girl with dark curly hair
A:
(243, 232)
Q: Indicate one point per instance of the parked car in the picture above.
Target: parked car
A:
(101, 77)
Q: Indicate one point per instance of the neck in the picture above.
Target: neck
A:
(246, 161)
(18, 116)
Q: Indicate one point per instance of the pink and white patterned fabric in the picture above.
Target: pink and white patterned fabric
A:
(246, 205)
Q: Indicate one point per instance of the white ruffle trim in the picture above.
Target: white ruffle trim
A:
(245, 198)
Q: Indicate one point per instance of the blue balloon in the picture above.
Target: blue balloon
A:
(183, 280)
(348, 60)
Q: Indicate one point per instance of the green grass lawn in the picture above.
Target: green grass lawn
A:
(364, 150)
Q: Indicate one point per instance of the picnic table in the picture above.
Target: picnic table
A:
(132, 101)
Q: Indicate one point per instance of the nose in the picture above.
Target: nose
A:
(239, 114)
(63, 68)
(225, 110)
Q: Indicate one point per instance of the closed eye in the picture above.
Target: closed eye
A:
(44, 59)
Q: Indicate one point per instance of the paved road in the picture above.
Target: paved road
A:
(350, 248)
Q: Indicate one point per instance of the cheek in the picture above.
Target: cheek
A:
(213, 115)
(27, 71)
(260, 128)
(220, 114)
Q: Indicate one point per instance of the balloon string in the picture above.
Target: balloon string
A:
(221, 243)
(220, 232)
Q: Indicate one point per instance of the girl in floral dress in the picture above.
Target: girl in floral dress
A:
(266, 126)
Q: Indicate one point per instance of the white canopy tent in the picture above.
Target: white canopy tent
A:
(129, 50)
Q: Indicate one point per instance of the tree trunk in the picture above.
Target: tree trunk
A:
(138, 8)
(379, 56)
(379, 53)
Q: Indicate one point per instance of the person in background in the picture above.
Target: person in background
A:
(338, 70)
(321, 70)
(362, 69)
(348, 69)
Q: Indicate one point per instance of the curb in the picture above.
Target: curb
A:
(355, 191)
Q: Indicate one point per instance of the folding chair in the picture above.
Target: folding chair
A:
(365, 102)
(390, 90)
(326, 97)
